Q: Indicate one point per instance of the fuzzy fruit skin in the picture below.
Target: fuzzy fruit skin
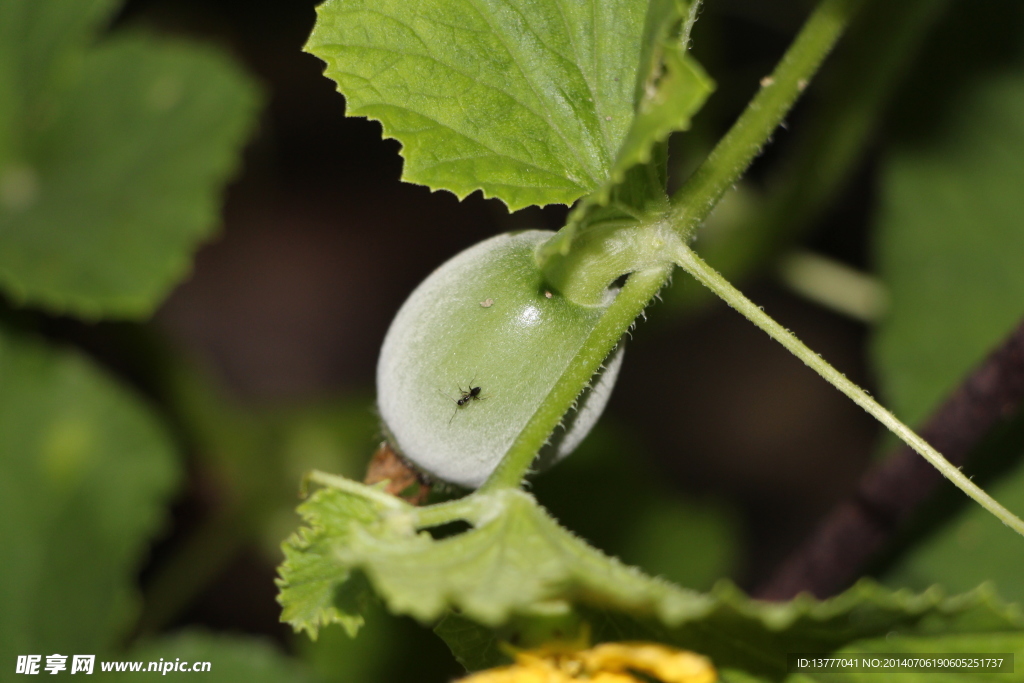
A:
(483, 319)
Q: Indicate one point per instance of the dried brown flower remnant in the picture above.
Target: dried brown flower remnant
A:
(403, 480)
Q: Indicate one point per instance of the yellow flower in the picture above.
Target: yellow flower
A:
(605, 663)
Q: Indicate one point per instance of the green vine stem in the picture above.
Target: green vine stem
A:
(629, 304)
(732, 155)
(710, 278)
(831, 140)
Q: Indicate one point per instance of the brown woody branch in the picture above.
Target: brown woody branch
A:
(833, 556)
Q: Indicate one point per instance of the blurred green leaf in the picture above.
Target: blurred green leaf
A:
(233, 659)
(971, 549)
(949, 246)
(532, 102)
(336, 658)
(85, 473)
(689, 541)
(112, 157)
(475, 646)
(41, 44)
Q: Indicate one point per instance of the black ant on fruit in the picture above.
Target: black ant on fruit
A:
(466, 395)
(472, 395)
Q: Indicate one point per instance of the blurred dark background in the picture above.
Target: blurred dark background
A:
(321, 242)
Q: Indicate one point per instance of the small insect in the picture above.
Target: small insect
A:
(472, 395)
(465, 396)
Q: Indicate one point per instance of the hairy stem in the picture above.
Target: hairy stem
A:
(734, 152)
(891, 491)
(639, 289)
(711, 279)
(829, 147)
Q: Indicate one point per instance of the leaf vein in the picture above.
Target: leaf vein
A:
(517, 59)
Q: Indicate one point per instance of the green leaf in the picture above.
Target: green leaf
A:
(516, 576)
(530, 101)
(949, 245)
(40, 45)
(673, 92)
(515, 559)
(233, 659)
(111, 157)
(85, 472)
(317, 589)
